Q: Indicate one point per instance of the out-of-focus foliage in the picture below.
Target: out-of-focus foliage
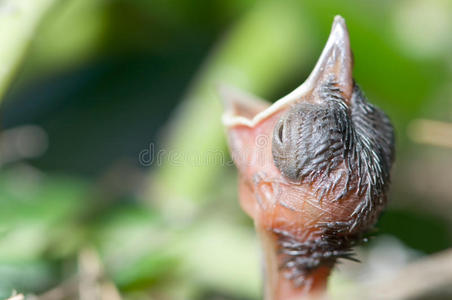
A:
(115, 178)
(18, 21)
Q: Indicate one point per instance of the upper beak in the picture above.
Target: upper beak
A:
(336, 60)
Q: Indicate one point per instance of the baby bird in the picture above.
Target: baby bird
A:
(314, 170)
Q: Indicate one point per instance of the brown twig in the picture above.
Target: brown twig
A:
(428, 278)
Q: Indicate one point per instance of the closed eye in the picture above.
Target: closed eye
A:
(280, 132)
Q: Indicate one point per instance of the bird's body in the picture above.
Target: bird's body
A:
(314, 170)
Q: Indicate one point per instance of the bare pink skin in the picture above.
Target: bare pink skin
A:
(274, 203)
(265, 194)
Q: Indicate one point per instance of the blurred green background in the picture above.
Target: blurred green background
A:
(115, 181)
